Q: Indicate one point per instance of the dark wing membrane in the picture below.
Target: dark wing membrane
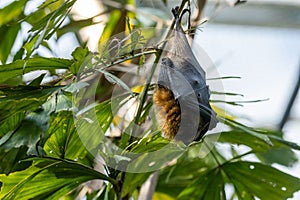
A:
(198, 114)
(197, 117)
(179, 48)
(173, 79)
(208, 118)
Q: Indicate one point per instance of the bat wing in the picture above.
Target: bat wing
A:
(208, 118)
(178, 47)
(173, 79)
(192, 93)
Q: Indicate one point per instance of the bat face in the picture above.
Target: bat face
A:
(182, 96)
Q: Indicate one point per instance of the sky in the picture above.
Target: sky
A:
(268, 62)
(276, 1)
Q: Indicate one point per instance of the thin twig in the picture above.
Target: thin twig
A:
(290, 103)
(152, 51)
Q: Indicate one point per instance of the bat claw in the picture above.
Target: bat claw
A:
(175, 12)
(178, 17)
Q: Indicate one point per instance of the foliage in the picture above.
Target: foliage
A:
(48, 145)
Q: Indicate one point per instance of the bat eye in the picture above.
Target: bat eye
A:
(196, 82)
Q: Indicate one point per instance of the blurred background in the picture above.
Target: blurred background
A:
(258, 41)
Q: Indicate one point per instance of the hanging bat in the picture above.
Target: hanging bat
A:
(182, 97)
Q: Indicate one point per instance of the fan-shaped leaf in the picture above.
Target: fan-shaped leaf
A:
(47, 178)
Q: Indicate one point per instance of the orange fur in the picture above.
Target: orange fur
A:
(168, 110)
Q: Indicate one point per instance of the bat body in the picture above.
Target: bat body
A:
(182, 96)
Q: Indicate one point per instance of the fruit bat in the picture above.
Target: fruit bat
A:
(182, 97)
